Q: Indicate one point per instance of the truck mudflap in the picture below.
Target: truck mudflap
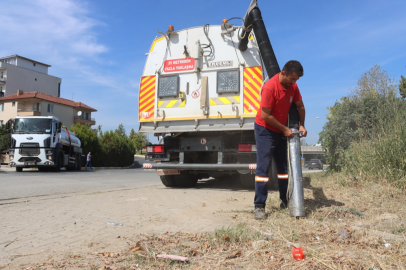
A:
(206, 167)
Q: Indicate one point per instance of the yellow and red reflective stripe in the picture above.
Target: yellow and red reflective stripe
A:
(252, 88)
(261, 179)
(146, 103)
(283, 176)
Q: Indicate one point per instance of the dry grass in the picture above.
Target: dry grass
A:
(349, 225)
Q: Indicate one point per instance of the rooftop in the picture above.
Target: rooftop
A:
(38, 95)
(19, 56)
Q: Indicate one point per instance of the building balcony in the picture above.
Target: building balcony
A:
(2, 80)
(78, 119)
(28, 113)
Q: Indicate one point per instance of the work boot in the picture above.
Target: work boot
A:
(259, 212)
(283, 205)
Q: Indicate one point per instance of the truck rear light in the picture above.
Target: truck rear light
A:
(155, 149)
(247, 148)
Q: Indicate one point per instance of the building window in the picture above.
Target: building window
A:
(2, 74)
(13, 104)
(35, 107)
(50, 108)
(1, 123)
(33, 64)
(85, 115)
(1, 107)
(59, 89)
(35, 79)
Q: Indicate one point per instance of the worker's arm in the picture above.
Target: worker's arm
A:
(302, 112)
(267, 117)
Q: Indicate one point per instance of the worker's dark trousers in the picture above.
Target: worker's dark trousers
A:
(270, 144)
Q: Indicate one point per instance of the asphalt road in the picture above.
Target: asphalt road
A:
(32, 183)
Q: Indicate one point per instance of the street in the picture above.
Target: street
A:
(32, 183)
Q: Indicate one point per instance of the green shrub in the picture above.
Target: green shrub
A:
(109, 149)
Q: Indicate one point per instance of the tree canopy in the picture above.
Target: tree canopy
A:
(368, 128)
(109, 149)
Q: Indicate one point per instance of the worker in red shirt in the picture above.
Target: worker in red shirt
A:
(271, 132)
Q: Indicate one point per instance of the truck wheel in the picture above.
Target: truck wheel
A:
(77, 163)
(57, 168)
(247, 180)
(185, 179)
(168, 180)
(19, 169)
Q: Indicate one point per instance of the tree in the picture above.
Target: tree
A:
(359, 116)
(110, 148)
(120, 131)
(374, 82)
(5, 139)
(139, 140)
(117, 150)
(402, 87)
(89, 141)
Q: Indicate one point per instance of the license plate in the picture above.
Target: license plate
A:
(29, 163)
(168, 172)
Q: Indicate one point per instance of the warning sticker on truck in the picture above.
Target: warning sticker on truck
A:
(177, 65)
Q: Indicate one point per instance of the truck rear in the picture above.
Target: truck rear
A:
(201, 94)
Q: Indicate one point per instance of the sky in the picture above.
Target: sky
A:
(98, 47)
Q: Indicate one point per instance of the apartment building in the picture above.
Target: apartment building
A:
(18, 72)
(40, 104)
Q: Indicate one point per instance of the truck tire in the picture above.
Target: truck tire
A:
(57, 167)
(247, 180)
(185, 179)
(78, 164)
(19, 169)
(168, 180)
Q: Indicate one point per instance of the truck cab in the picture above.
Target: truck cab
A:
(40, 142)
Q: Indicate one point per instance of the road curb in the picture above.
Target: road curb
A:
(106, 168)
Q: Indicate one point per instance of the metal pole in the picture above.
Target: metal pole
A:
(296, 200)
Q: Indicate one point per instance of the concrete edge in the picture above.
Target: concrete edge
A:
(95, 168)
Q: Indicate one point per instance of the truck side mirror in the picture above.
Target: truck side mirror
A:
(7, 127)
(58, 128)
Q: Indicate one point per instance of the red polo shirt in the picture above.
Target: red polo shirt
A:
(275, 97)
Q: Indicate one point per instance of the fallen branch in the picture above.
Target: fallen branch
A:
(173, 257)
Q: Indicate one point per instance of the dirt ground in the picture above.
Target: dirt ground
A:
(348, 225)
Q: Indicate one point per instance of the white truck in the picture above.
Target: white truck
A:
(40, 142)
(200, 92)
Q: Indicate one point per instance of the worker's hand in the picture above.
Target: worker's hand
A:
(303, 131)
(288, 133)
